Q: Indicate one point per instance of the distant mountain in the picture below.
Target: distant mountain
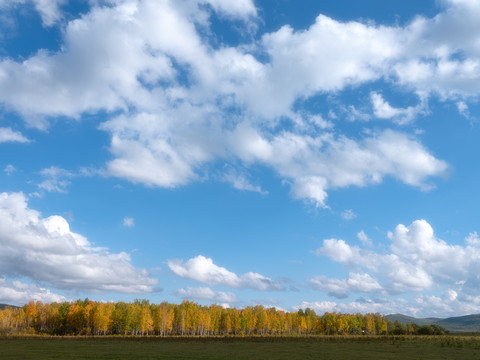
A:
(404, 319)
(468, 323)
(3, 306)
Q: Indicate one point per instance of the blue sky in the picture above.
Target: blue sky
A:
(283, 153)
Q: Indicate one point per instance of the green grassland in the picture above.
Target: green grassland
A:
(318, 347)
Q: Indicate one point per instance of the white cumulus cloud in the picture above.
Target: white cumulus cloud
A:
(383, 110)
(9, 135)
(49, 10)
(176, 103)
(417, 261)
(46, 251)
(205, 293)
(203, 270)
(355, 282)
(18, 293)
(363, 237)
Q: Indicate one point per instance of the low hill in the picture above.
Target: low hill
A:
(3, 306)
(404, 319)
(468, 323)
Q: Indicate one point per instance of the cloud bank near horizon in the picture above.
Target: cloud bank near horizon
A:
(46, 251)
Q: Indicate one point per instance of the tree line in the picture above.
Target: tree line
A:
(86, 317)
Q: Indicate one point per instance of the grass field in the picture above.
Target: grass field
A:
(338, 348)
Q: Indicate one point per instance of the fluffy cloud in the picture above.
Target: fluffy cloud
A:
(447, 303)
(47, 252)
(240, 8)
(205, 293)
(339, 251)
(9, 135)
(327, 57)
(463, 109)
(311, 188)
(383, 110)
(365, 240)
(341, 288)
(316, 164)
(473, 239)
(203, 270)
(49, 10)
(360, 306)
(417, 244)
(311, 164)
(417, 261)
(182, 103)
(439, 60)
(17, 293)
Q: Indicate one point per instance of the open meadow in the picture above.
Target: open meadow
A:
(318, 347)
